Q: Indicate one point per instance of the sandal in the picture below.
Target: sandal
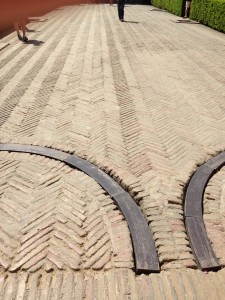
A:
(19, 37)
(25, 39)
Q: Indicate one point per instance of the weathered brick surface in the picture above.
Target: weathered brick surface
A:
(144, 102)
(3, 45)
(54, 217)
(112, 284)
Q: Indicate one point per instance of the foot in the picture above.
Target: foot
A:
(122, 20)
(25, 39)
(19, 37)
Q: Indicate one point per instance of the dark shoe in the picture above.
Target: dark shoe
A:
(19, 37)
(122, 20)
(25, 39)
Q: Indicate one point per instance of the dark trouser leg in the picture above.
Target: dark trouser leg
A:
(121, 10)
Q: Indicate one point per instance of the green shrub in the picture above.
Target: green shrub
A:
(209, 12)
(173, 6)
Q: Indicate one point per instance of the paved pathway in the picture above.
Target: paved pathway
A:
(144, 100)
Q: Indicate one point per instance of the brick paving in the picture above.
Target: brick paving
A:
(144, 101)
(3, 45)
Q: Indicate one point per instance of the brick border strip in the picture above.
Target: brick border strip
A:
(193, 213)
(145, 255)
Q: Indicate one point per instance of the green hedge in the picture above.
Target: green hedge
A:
(173, 6)
(209, 12)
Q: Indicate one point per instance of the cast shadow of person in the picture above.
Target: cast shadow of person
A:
(31, 30)
(133, 22)
(186, 21)
(158, 9)
(36, 20)
(34, 42)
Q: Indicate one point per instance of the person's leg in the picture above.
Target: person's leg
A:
(121, 10)
(23, 28)
(187, 8)
(17, 28)
(118, 6)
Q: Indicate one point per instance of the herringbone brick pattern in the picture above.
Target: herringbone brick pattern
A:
(144, 101)
(53, 217)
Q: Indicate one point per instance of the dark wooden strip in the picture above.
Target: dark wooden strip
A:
(48, 152)
(195, 191)
(144, 249)
(101, 177)
(193, 211)
(200, 243)
(216, 162)
(145, 254)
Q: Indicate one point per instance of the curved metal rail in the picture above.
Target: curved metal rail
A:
(145, 255)
(193, 212)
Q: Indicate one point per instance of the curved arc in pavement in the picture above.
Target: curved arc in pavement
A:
(146, 259)
(193, 213)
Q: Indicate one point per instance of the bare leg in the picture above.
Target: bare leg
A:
(17, 28)
(23, 27)
(187, 9)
